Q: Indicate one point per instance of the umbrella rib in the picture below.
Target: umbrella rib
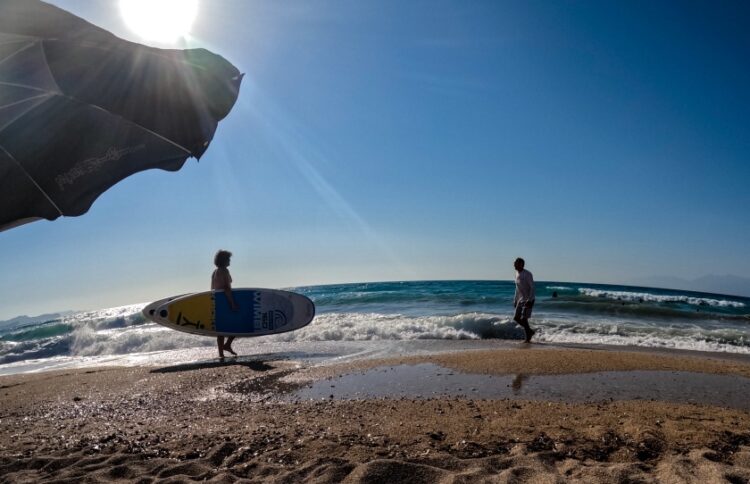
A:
(132, 123)
(53, 93)
(59, 92)
(23, 100)
(31, 108)
(49, 95)
(27, 46)
(32, 180)
(25, 86)
(15, 38)
(52, 76)
(46, 64)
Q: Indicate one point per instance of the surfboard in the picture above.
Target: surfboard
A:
(261, 312)
(150, 310)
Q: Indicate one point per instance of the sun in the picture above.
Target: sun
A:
(163, 21)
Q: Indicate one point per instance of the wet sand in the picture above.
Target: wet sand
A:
(280, 420)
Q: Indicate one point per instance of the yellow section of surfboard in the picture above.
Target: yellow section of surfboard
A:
(196, 312)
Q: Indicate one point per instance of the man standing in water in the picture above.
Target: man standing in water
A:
(524, 298)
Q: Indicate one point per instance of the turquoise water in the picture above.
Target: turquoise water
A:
(427, 310)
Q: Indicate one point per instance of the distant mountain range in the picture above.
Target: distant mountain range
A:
(728, 284)
(26, 320)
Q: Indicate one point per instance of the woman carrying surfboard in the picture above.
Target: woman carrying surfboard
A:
(221, 280)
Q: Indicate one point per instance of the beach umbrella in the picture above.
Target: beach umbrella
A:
(81, 109)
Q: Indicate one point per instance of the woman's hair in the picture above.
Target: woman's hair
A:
(221, 259)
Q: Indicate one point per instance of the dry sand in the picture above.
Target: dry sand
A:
(233, 422)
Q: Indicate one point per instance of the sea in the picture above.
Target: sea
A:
(396, 318)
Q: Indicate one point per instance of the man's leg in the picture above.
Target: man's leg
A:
(518, 316)
(521, 319)
(228, 345)
(220, 342)
(525, 313)
(527, 329)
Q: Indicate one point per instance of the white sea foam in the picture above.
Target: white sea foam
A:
(87, 341)
(104, 314)
(645, 340)
(373, 326)
(659, 298)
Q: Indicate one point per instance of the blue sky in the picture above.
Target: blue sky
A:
(602, 141)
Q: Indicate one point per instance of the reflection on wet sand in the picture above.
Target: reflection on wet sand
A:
(517, 382)
(426, 380)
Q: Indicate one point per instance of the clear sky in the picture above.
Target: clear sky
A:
(387, 140)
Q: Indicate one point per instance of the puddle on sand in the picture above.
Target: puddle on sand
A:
(429, 380)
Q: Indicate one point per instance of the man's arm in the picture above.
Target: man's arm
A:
(227, 283)
(230, 298)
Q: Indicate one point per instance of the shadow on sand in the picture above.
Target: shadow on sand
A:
(255, 365)
(256, 362)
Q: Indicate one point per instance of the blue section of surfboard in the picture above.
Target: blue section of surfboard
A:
(260, 312)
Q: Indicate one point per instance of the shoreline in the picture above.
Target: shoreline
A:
(235, 421)
(317, 351)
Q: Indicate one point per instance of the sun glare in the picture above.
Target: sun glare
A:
(159, 20)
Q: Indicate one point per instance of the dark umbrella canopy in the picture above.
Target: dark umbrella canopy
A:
(81, 109)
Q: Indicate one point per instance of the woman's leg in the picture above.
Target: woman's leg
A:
(228, 345)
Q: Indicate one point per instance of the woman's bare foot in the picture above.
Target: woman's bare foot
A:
(229, 349)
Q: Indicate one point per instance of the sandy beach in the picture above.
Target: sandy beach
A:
(266, 419)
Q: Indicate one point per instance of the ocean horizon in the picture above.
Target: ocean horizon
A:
(389, 312)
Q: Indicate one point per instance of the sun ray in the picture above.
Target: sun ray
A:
(307, 158)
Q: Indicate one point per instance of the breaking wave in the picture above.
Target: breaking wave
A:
(459, 310)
